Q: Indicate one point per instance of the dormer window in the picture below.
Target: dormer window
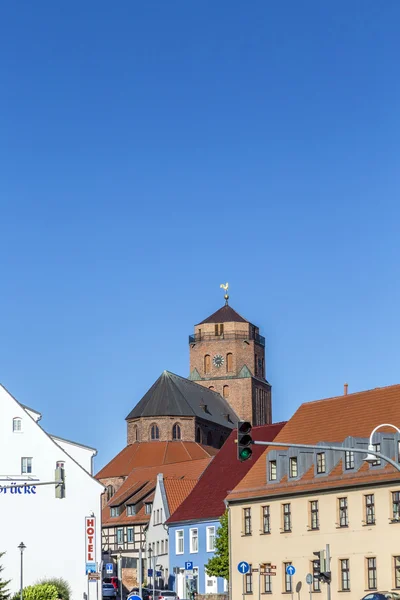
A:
(148, 508)
(114, 511)
(293, 466)
(272, 470)
(321, 464)
(203, 407)
(130, 510)
(17, 425)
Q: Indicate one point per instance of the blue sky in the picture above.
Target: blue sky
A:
(150, 151)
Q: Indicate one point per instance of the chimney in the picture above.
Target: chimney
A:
(346, 387)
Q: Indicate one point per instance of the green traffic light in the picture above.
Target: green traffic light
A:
(245, 453)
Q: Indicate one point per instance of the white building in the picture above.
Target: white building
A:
(169, 495)
(58, 538)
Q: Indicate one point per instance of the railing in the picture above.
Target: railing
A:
(233, 335)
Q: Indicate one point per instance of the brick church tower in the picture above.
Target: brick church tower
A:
(227, 355)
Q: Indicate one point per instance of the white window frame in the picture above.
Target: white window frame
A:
(26, 471)
(209, 549)
(179, 537)
(191, 537)
(15, 421)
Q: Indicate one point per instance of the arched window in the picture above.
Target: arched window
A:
(198, 435)
(110, 492)
(225, 391)
(17, 424)
(176, 432)
(135, 433)
(212, 388)
(229, 362)
(221, 441)
(154, 432)
(209, 439)
(207, 363)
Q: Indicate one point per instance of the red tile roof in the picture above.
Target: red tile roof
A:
(225, 471)
(149, 454)
(225, 314)
(177, 490)
(328, 420)
(142, 481)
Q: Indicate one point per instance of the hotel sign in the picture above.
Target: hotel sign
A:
(90, 543)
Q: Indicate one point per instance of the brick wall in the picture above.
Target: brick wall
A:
(164, 424)
(240, 394)
(116, 482)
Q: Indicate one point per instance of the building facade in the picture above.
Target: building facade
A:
(227, 355)
(62, 536)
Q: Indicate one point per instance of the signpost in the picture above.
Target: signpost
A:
(290, 570)
(243, 568)
(189, 566)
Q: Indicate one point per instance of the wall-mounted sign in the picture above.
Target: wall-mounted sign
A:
(16, 488)
(90, 540)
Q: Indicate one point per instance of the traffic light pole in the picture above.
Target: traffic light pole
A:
(328, 568)
(338, 448)
(27, 484)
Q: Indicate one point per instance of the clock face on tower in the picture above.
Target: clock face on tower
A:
(218, 360)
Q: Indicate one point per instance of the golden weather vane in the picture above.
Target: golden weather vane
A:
(225, 286)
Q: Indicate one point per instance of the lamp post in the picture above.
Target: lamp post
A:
(120, 572)
(370, 457)
(21, 548)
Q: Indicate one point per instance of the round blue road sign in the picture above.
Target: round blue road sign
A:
(290, 570)
(243, 567)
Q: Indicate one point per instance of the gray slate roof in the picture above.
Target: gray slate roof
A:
(172, 395)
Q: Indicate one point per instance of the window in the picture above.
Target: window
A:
(266, 519)
(194, 540)
(120, 535)
(110, 492)
(26, 465)
(267, 584)
(349, 459)
(166, 546)
(130, 510)
(343, 512)
(148, 508)
(176, 432)
(229, 362)
(221, 441)
(114, 511)
(17, 425)
(314, 514)
(162, 546)
(344, 575)
(198, 435)
(288, 579)
(293, 466)
(370, 509)
(158, 549)
(396, 506)
(287, 517)
(371, 573)
(272, 470)
(247, 521)
(179, 541)
(209, 439)
(255, 365)
(135, 433)
(207, 363)
(396, 571)
(316, 582)
(130, 537)
(212, 388)
(154, 432)
(321, 466)
(377, 448)
(225, 391)
(248, 583)
(210, 539)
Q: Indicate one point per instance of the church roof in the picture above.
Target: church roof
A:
(172, 395)
(226, 314)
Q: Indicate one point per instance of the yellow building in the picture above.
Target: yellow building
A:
(293, 502)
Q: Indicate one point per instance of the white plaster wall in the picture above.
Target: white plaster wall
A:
(156, 533)
(53, 530)
(81, 454)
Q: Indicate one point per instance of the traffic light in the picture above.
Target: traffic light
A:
(244, 441)
(326, 577)
(320, 567)
(60, 487)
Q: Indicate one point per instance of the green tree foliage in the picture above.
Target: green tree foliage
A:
(63, 587)
(218, 565)
(40, 591)
(4, 593)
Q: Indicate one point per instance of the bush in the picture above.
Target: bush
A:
(62, 586)
(40, 591)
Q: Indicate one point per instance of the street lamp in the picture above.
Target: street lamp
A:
(120, 572)
(370, 457)
(21, 548)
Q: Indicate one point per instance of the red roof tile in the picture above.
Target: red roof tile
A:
(328, 420)
(177, 490)
(225, 471)
(149, 454)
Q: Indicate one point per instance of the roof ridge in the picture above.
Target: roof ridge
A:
(384, 387)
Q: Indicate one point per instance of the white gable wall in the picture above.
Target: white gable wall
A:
(53, 530)
(158, 533)
(82, 454)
